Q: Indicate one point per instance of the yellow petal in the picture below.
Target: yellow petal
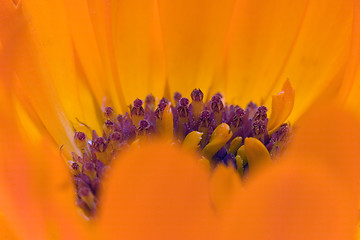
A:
(193, 33)
(282, 105)
(225, 183)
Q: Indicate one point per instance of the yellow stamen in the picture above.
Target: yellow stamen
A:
(192, 140)
(235, 144)
(242, 153)
(257, 154)
(218, 139)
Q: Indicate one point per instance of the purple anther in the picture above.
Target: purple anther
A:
(120, 118)
(137, 110)
(115, 136)
(150, 99)
(75, 166)
(99, 144)
(95, 185)
(216, 104)
(182, 108)
(80, 136)
(85, 178)
(144, 124)
(177, 96)
(259, 128)
(84, 191)
(251, 109)
(239, 117)
(89, 166)
(138, 103)
(197, 95)
(100, 168)
(260, 114)
(94, 135)
(109, 123)
(280, 134)
(109, 111)
(184, 102)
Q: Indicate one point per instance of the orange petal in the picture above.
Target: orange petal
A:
(103, 19)
(315, 63)
(351, 81)
(22, 58)
(225, 183)
(292, 201)
(49, 29)
(157, 192)
(282, 105)
(139, 53)
(331, 135)
(36, 192)
(259, 42)
(283, 41)
(351, 86)
(193, 32)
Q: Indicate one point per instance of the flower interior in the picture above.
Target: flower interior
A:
(214, 129)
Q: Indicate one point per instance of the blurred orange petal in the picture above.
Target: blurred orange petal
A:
(225, 183)
(36, 193)
(331, 136)
(157, 192)
(292, 201)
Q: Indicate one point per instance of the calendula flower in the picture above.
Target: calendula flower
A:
(191, 166)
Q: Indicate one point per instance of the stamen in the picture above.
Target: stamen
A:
(137, 111)
(197, 103)
(221, 133)
(217, 106)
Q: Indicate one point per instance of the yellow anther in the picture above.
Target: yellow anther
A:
(257, 154)
(219, 138)
(242, 153)
(192, 140)
(234, 145)
(282, 105)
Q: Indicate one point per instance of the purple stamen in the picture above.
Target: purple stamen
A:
(197, 95)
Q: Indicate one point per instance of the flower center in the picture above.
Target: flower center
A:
(213, 128)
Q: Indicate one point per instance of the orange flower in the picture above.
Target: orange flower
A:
(61, 60)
